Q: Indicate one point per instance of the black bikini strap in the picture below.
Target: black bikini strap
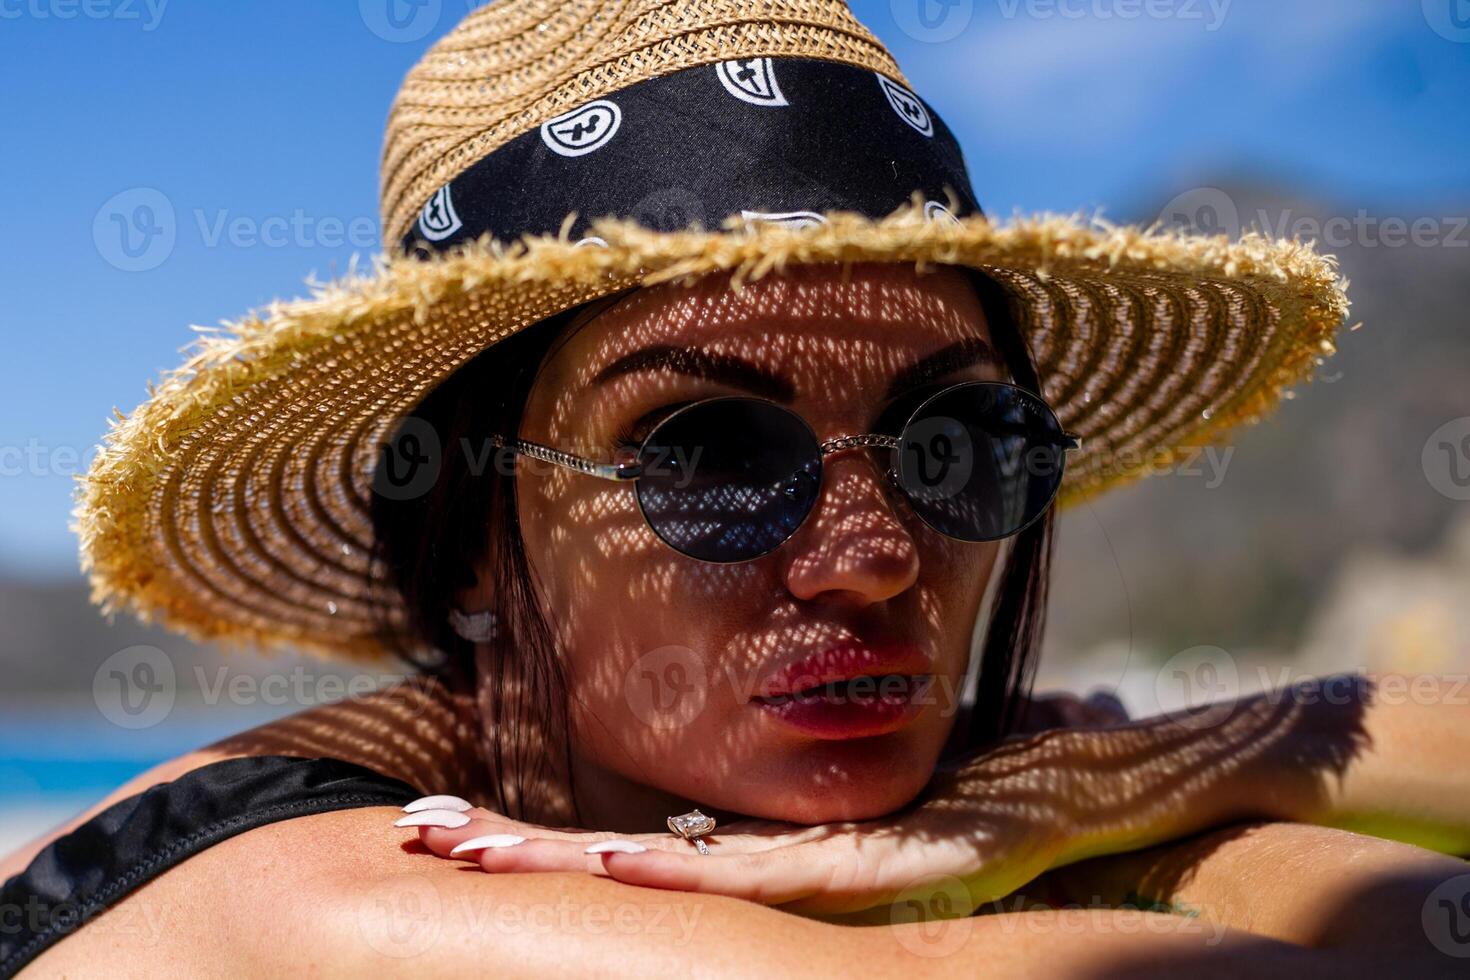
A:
(77, 876)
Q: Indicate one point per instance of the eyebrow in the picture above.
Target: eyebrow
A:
(946, 360)
(699, 363)
(740, 373)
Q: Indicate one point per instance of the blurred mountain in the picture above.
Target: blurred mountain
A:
(1337, 475)
(53, 643)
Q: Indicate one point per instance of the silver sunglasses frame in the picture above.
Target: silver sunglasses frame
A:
(631, 471)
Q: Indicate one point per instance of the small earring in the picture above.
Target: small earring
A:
(477, 627)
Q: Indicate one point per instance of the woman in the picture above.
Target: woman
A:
(691, 530)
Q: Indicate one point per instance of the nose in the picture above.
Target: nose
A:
(853, 547)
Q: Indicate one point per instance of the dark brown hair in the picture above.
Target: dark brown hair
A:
(431, 545)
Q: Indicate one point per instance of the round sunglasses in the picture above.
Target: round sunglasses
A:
(731, 478)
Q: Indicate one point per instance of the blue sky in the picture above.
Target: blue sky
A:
(253, 130)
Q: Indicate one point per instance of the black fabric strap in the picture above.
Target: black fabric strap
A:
(784, 138)
(77, 876)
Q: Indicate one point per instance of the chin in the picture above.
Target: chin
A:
(805, 805)
(838, 782)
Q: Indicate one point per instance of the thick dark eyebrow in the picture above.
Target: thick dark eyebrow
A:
(960, 354)
(700, 363)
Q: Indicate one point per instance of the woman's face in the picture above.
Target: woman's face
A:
(677, 668)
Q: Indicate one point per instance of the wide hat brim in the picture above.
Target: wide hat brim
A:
(233, 505)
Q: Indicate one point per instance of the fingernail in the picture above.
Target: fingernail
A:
(615, 847)
(448, 819)
(487, 842)
(438, 803)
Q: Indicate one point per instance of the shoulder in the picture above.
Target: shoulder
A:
(214, 815)
(415, 732)
(344, 892)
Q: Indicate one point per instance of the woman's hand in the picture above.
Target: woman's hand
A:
(981, 831)
(977, 853)
(938, 854)
(989, 826)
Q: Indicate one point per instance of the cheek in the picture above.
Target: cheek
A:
(953, 578)
(627, 611)
(660, 649)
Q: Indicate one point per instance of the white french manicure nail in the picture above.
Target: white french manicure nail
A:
(615, 847)
(438, 803)
(448, 819)
(488, 842)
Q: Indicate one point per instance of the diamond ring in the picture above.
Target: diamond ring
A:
(692, 826)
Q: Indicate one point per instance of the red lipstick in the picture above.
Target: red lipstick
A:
(849, 691)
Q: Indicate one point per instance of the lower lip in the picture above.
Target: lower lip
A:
(873, 706)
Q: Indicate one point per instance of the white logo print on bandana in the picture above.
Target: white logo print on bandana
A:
(582, 130)
(439, 219)
(751, 80)
(907, 105)
(935, 211)
(790, 219)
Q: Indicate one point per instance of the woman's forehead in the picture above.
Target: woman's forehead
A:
(875, 317)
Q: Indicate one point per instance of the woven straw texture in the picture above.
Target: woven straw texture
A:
(233, 504)
(510, 66)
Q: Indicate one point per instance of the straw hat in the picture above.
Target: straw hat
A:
(233, 504)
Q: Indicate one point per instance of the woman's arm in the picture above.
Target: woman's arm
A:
(1384, 756)
(1386, 759)
(1408, 780)
(343, 894)
(1312, 886)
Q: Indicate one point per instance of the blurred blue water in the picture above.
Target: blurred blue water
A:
(56, 762)
(23, 776)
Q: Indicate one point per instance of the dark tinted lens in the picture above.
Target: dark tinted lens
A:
(980, 461)
(729, 479)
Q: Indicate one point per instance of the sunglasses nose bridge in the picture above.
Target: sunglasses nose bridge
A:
(866, 440)
(853, 542)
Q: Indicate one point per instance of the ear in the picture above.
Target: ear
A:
(476, 627)
(473, 610)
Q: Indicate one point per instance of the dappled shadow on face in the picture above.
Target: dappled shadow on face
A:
(668, 656)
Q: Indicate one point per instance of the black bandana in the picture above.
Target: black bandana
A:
(772, 139)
